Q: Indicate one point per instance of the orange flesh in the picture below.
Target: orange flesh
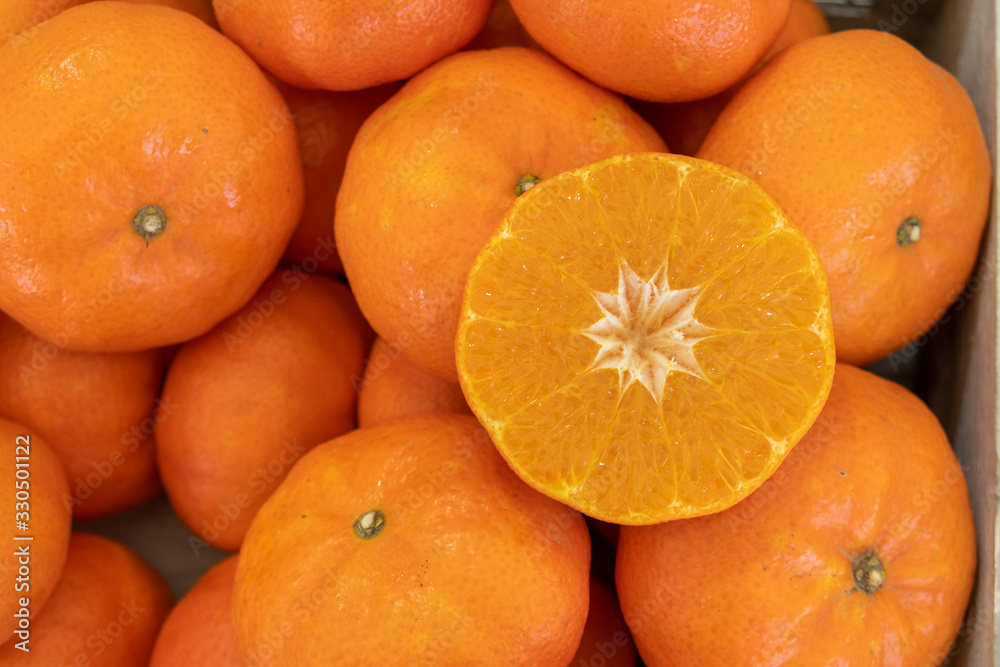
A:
(646, 338)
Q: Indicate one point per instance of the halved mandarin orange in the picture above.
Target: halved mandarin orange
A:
(646, 338)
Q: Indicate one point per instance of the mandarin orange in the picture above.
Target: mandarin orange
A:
(254, 394)
(859, 550)
(105, 611)
(97, 411)
(198, 632)
(657, 50)
(606, 639)
(424, 548)
(350, 45)
(393, 386)
(179, 181)
(877, 155)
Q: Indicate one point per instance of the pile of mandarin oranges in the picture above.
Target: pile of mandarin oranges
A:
(478, 332)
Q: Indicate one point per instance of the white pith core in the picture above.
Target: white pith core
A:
(648, 330)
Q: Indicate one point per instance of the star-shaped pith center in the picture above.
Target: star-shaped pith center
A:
(648, 330)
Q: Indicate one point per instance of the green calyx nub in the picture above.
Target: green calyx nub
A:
(869, 573)
(908, 232)
(149, 222)
(525, 183)
(369, 525)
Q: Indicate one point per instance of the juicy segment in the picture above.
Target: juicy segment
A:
(646, 338)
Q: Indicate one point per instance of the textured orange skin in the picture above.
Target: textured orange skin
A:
(252, 399)
(685, 125)
(18, 17)
(48, 521)
(471, 567)
(326, 123)
(773, 574)
(199, 630)
(852, 133)
(343, 45)
(428, 180)
(503, 28)
(108, 607)
(394, 387)
(72, 264)
(605, 635)
(86, 405)
(657, 50)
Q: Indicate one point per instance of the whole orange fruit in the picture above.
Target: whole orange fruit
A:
(326, 123)
(684, 125)
(860, 549)
(18, 18)
(424, 549)
(646, 338)
(179, 179)
(606, 639)
(350, 45)
(34, 483)
(393, 386)
(98, 411)
(254, 394)
(432, 172)
(105, 611)
(877, 155)
(198, 631)
(657, 50)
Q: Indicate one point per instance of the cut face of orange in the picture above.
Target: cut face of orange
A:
(646, 338)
